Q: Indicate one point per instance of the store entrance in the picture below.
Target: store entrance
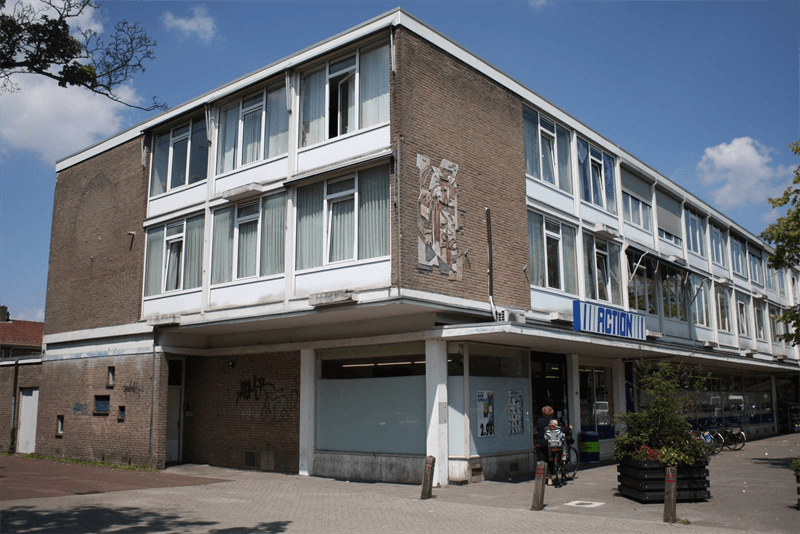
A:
(549, 385)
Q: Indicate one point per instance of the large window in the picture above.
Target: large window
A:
(180, 156)
(253, 128)
(248, 239)
(758, 312)
(642, 292)
(723, 309)
(343, 219)
(596, 170)
(775, 326)
(700, 313)
(597, 403)
(174, 256)
(737, 257)
(547, 150)
(743, 313)
(673, 295)
(636, 212)
(355, 89)
(601, 269)
(695, 236)
(552, 254)
(756, 269)
(719, 246)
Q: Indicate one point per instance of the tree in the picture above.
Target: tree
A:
(38, 39)
(784, 235)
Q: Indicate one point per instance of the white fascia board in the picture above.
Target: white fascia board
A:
(27, 361)
(100, 351)
(97, 333)
(179, 214)
(383, 21)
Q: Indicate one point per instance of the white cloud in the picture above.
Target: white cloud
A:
(537, 4)
(88, 20)
(742, 172)
(54, 122)
(31, 314)
(201, 24)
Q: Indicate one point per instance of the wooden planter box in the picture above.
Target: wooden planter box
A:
(644, 481)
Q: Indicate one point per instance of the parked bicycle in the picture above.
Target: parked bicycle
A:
(563, 456)
(733, 437)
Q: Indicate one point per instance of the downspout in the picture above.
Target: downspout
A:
(399, 227)
(152, 398)
(12, 442)
(490, 270)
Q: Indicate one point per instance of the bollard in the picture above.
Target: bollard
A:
(427, 478)
(797, 477)
(538, 486)
(670, 494)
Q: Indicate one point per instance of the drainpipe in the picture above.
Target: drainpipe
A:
(490, 270)
(12, 442)
(152, 398)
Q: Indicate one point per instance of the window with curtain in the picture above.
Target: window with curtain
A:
(597, 175)
(695, 235)
(174, 256)
(642, 292)
(601, 269)
(547, 150)
(775, 326)
(700, 301)
(254, 128)
(636, 212)
(723, 309)
(758, 311)
(248, 239)
(343, 219)
(756, 269)
(179, 156)
(737, 257)
(743, 314)
(357, 90)
(552, 254)
(719, 246)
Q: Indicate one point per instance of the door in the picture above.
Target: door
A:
(28, 412)
(174, 424)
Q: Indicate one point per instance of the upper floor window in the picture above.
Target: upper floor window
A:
(174, 256)
(723, 309)
(771, 278)
(743, 313)
(345, 95)
(253, 128)
(552, 254)
(669, 211)
(695, 237)
(775, 326)
(737, 257)
(344, 219)
(547, 150)
(248, 239)
(642, 292)
(758, 312)
(636, 212)
(700, 301)
(719, 246)
(602, 269)
(666, 236)
(673, 295)
(781, 282)
(596, 170)
(180, 156)
(756, 270)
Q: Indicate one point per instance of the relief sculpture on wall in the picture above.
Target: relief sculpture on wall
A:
(438, 217)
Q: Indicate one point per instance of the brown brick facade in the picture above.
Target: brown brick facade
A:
(95, 271)
(253, 405)
(28, 376)
(445, 110)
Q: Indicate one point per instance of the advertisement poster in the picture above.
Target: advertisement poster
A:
(485, 414)
(515, 412)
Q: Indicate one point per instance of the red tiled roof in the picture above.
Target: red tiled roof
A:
(21, 333)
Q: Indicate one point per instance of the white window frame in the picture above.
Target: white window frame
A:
(758, 315)
(666, 236)
(545, 259)
(743, 314)
(700, 312)
(601, 161)
(670, 276)
(637, 212)
(775, 326)
(169, 240)
(178, 236)
(176, 136)
(756, 269)
(723, 300)
(239, 220)
(638, 284)
(547, 128)
(781, 282)
(770, 279)
(738, 257)
(719, 245)
(605, 253)
(695, 234)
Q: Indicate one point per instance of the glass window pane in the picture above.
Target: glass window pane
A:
(609, 173)
(312, 108)
(277, 123)
(553, 267)
(341, 186)
(531, 127)
(273, 232)
(373, 212)
(374, 86)
(198, 159)
(226, 145)
(309, 226)
(180, 153)
(343, 65)
(193, 264)
(589, 266)
(342, 230)
(247, 249)
(222, 246)
(548, 171)
(155, 255)
(158, 174)
(251, 137)
(174, 256)
(537, 256)
(564, 159)
(583, 170)
(597, 185)
(570, 260)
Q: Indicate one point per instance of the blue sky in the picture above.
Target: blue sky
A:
(705, 92)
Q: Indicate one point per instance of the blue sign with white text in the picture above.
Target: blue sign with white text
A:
(588, 317)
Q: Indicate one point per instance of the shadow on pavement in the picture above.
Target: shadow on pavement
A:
(274, 526)
(21, 519)
(782, 463)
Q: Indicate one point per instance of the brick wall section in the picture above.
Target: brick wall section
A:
(446, 110)
(254, 406)
(69, 388)
(29, 376)
(95, 271)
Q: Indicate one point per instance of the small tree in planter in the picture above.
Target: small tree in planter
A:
(659, 435)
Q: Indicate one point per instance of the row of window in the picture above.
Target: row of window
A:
(338, 220)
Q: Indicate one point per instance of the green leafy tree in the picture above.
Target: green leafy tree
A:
(42, 38)
(784, 235)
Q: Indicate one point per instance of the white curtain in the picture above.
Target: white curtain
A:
(564, 159)
(309, 226)
(312, 120)
(374, 86)
(222, 249)
(570, 260)
(155, 259)
(251, 137)
(342, 230)
(530, 121)
(247, 249)
(583, 170)
(193, 264)
(198, 160)
(589, 268)
(273, 232)
(180, 152)
(548, 170)
(226, 146)
(174, 254)
(614, 273)
(373, 212)
(158, 174)
(611, 196)
(537, 257)
(277, 123)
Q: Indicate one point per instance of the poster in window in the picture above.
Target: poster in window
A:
(485, 414)
(515, 412)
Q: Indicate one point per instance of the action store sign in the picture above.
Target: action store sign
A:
(588, 317)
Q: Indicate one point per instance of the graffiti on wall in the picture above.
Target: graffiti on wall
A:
(80, 408)
(438, 217)
(132, 390)
(273, 404)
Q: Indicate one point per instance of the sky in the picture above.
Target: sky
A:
(707, 93)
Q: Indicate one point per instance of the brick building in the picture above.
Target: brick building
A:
(382, 248)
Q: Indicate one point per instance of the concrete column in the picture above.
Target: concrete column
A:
(308, 408)
(618, 377)
(574, 393)
(436, 408)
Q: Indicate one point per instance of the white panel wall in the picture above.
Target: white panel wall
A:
(343, 148)
(173, 303)
(370, 275)
(178, 199)
(248, 292)
(272, 171)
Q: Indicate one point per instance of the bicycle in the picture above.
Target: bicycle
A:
(564, 458)
(733, 438)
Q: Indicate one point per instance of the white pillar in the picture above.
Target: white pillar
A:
(574, 394)
(308, 406)
(436, 408)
